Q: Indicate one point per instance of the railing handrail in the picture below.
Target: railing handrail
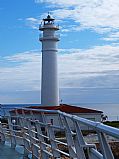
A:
(95, 125)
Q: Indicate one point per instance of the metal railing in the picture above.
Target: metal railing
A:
(49, 25)
(45, 140)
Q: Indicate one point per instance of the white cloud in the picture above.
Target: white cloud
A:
(33, 22)
(112, 36)
(20, 72)
(60, 3)
(95, 67)
(99, 15)
(28, 56)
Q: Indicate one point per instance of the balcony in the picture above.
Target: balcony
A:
(55, 37)
(48, 26)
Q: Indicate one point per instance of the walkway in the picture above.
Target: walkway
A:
(6, 152)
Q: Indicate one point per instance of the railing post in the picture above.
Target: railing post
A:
(12, 133)
(32, 130)
(23, 123)
(2, 133)
(94, 154)
(41, 142)
(69, 138)
(79, 142)
(51, 135)
(104, 146)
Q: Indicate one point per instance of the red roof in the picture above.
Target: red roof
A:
(62, 107)
(67, 109)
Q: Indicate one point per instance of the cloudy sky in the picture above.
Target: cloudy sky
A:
(88, 50)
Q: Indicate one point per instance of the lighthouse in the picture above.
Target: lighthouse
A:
(49, 80)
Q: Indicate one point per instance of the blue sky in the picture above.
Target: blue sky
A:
(88, 50)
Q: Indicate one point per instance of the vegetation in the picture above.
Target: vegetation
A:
(112, 123)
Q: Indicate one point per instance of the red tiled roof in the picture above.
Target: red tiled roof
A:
(62, 107)
(67, 109)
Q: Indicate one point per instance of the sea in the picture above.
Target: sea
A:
(109, 109)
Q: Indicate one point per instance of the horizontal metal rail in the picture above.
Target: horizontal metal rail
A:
(46, 140)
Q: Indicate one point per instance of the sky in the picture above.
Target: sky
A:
(88, 51)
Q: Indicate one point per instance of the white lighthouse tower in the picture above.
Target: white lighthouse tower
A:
(49, 82)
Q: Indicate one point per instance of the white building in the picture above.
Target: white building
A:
(91, 114)
(53, 118)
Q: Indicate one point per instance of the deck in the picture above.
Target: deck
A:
(6, 152)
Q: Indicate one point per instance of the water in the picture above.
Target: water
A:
(109, 109)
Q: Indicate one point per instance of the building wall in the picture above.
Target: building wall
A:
(54, 119)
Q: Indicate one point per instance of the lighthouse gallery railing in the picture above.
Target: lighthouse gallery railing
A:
(48, 141)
